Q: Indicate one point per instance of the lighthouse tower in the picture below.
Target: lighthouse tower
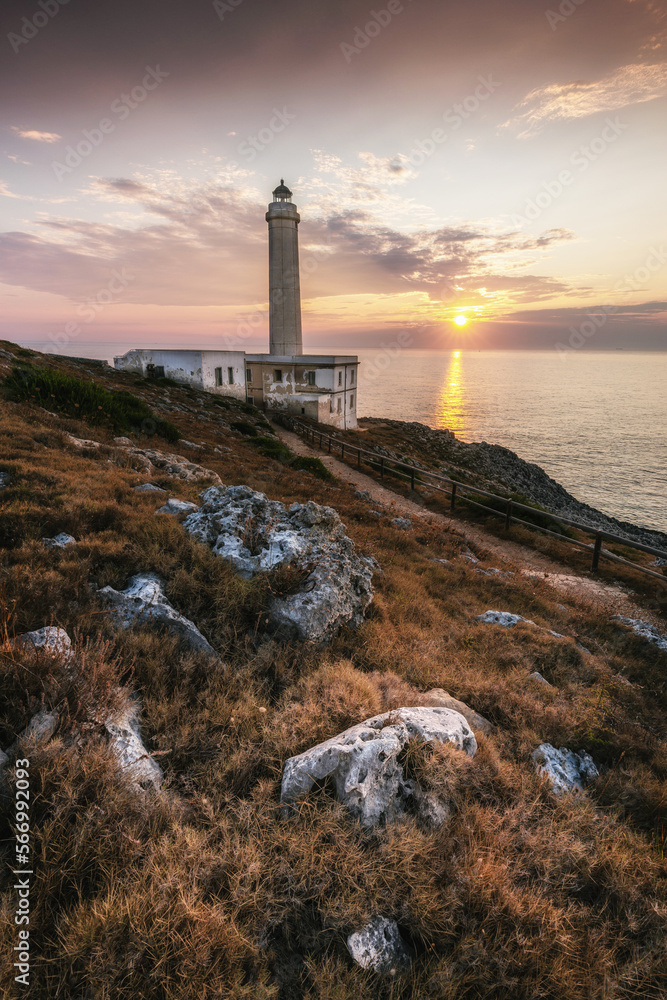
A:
(284, 286)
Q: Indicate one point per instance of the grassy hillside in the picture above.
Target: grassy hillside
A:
(207, 890)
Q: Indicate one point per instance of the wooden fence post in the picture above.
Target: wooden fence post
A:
(597, 548)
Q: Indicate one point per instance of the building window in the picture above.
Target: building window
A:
(303, 409)
(340, 378)
(352, 401)
(218, 376)
(230, 376)
(278, 375)
(352, 377)
(331, 404)
(248, 374)
(340, 404)
(311, 378)
(154, 371)
(250, 399)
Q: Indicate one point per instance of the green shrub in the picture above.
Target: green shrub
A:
(271, 448)
(314, 465)
(243, 427)
(86, 400)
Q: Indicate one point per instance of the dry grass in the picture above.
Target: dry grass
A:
(207, 891)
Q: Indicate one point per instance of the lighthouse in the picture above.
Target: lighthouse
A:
(284, 286)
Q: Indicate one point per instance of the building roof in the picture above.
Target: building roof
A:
(303, 359)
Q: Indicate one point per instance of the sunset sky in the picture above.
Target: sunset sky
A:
(504, 162)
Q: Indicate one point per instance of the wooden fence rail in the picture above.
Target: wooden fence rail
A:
(457, 492)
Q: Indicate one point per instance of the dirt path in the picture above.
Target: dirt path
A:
(602, 596)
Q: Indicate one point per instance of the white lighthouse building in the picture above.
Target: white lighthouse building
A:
(284, 283)
(321, 387)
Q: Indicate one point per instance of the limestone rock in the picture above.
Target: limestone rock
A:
(4, 480)
(379, 946)
(50, 638)
(173, 465)
(363, 495)
(128, 748)
(363, 763)
(566, 770)
(402, 523)
(438, 698)
(174, 506)
(469, 556)
(82, 442)
(537, 676)
(255, 535)
(148, 488)
(123, 440)
(60, 541)
(645, 630)
(144, 602)
(41, 727)
(504, 618)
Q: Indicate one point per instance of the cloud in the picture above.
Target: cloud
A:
(36, 136)
(6, 193)
(633, 84)
(203, 243)
(17, 159)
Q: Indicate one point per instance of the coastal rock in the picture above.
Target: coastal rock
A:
(469, 556)
(363, 764)
(123, 440)
(174, 506)
(4, 480)
(438, 698)
(256, 535)
(380, 947)
(645, 630)
(363, 495)
(60, 541)
(128, 748)
(50, 638)
(144, 602)
(148, 488)
(566, 770)
(504, 618)
(402, 523)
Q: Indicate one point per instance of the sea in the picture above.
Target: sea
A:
(596, 422)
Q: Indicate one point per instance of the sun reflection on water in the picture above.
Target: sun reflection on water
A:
(450, 403)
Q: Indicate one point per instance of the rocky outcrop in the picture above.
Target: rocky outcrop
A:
(644, 630)
(50, 638)
(174, 507)
(402, 523)
(255, 535)
(133, 758)
(144, 602)
(176, 466)
(363, 763)
(150, 461)
(148, 488)
(60, 541)
(566, 770)
(380, 947)
(504, 618)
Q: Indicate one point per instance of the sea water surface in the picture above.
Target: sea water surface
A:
(595, 421)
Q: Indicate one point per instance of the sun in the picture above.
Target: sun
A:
(461, 320)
